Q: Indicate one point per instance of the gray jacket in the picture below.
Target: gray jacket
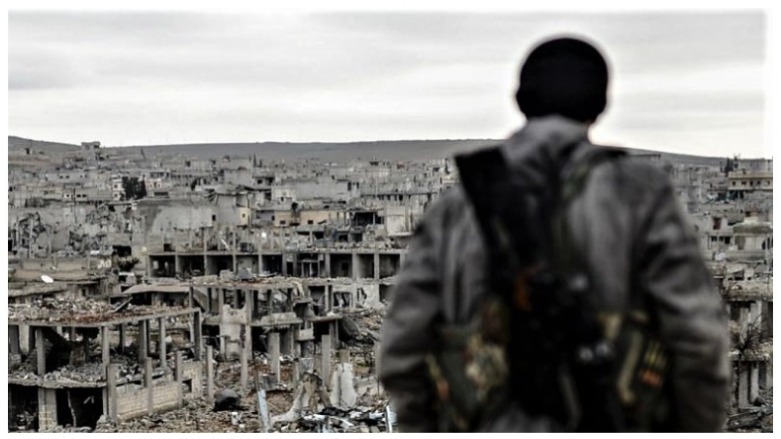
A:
(626, 221)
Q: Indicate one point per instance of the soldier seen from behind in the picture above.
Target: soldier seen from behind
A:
(559, 287)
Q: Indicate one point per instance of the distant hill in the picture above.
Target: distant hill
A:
(401, 150)
(16, 144)
(334, 152)
(398, 150)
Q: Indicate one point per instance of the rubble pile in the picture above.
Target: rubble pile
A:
(195, 416)
(335, 420)
(87, 372)
(361, 327)
(62, 310)
(757, 419)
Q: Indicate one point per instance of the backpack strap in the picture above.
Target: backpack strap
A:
(572, 181)
(501, 210)
(520, 238)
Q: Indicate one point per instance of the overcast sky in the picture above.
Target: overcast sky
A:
(691, 83)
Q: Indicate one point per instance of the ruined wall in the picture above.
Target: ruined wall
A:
(231, 322)
(238, 177)
(363, 294)
(233, 216)
(248, 262)
(135, 402)
(193, 371)
(47, 409)
(397, 220)
(166, 218)
(325, 188)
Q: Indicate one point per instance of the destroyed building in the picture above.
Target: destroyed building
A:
(73, 361)
(270, 277)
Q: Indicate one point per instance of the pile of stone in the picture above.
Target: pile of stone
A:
(754, 419)
(85, 373)
(336, 420)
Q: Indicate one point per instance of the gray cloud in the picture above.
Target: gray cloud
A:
(397, 75)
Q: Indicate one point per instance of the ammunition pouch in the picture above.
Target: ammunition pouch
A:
(470, 369)
(641, 375)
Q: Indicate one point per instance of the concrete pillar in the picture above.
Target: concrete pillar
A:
(296, 271)
(327, 264)
(753, 382)
(220, 307)
(284, 264)
(30, 331)
(204, 247)
(289, 343)
(743, 319)
(142, 340)
(249, 304)
(769, 315)
(755, 313)
(233, 252)
(743, 384)
(296, 374)
(149, 383)
(197, 335)
(344, 356)
(244, 370)
(376, 266)
(260, 260)
(85, 342)
(333, 331)
(355, 266)
(40, 352)
(162, 348)
(247, 342)
(122, 337)
(105, 347)
(209, 373)
(325, 358)
(13, 339)
(47, 409)
(768, 375)
(273, 348)
(72, 334)
(220, 297)
(111, 391)
(178, 265)
(179, 376)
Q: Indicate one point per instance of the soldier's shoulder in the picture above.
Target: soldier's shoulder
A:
(450, 205)
(636, 173)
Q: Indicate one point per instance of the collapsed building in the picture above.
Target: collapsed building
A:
(86, 359)
(139, 286)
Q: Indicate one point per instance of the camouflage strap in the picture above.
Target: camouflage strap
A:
(470, 369)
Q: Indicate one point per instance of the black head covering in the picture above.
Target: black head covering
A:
(564, 76)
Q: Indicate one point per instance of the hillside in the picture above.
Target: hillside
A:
(402, 150)
(18, 144)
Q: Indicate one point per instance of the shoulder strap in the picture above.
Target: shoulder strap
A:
(573, 180)
(488, 182)
(502, 212)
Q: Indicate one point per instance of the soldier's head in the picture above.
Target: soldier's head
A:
(564, 76)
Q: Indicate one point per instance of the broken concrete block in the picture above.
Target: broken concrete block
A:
(343, 392)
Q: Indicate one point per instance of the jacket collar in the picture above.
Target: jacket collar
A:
(545, 138)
